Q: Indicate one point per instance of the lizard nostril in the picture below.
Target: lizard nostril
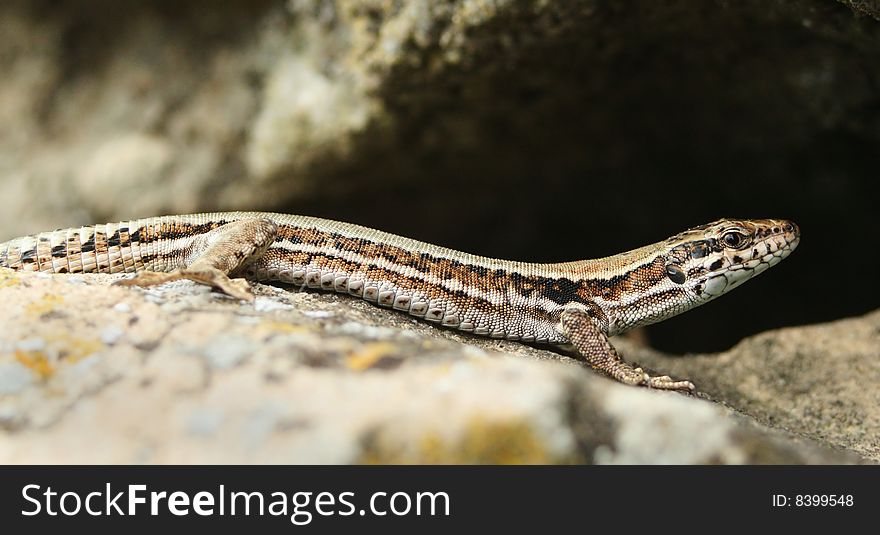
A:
(789, 227)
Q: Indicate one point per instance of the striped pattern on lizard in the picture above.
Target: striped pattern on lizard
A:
(580, 303)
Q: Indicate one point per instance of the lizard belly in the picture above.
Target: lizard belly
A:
(429, 297)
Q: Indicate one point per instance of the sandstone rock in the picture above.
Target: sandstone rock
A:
(817, 381)
(91, 373)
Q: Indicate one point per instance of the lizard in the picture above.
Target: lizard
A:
(576, 304)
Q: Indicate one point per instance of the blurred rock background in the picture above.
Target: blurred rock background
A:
(538, 130)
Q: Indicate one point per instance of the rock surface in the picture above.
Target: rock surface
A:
(91, 373)
(819, 381)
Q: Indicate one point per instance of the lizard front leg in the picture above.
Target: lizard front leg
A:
(216, 255)
(594, 346)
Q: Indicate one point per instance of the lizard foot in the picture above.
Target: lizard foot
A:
(237, 288)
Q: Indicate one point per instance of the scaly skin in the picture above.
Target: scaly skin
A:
(578, 303)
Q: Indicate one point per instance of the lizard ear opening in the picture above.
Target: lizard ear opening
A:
(675, 273)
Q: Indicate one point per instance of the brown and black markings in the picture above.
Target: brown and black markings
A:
(560, 290)
(638, 279)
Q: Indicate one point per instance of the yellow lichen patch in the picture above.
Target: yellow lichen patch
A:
(36, 361)
(281, 327)
(72, 349)
(43, 305)
(60, 349)
(7, 278)
(369, 356)
(486, 442)
(483, 442)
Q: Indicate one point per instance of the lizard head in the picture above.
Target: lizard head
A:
(661, 280)
(712, 259)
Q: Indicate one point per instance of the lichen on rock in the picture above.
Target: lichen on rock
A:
(178, 374)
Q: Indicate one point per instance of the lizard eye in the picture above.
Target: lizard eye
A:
(675, 274)
(733, 239)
